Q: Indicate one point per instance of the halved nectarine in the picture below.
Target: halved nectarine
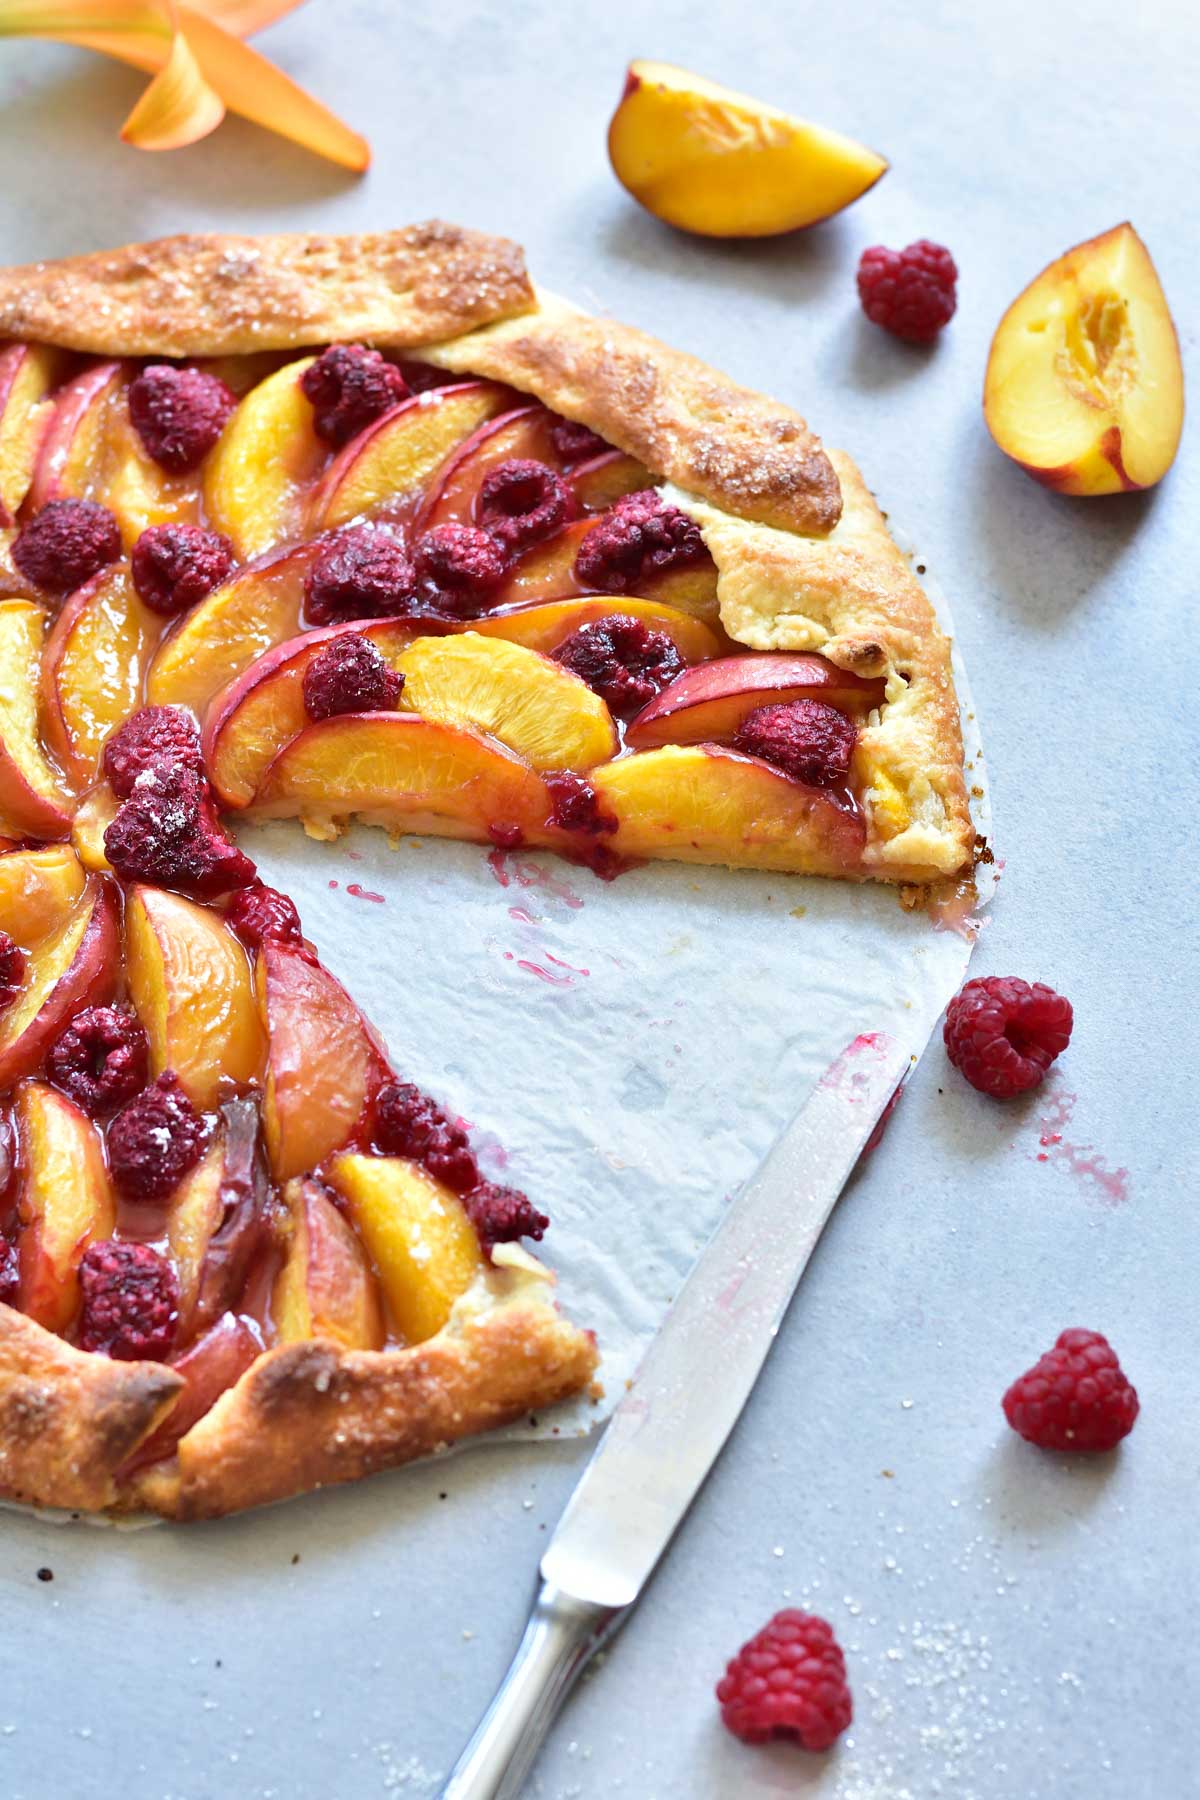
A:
(326, 1287)
(537, 708)
(706, 705)
(92, 669)
(526, 432)
(405, 773)
(76, 966)
(1084, 385)
(38, 889)
(190, 983)
(698, 803)
(709, 160)
(27, 374)
(546, 624)
(418, 1235)
(71, 441)
(261, 465)
(64, 1204)
(33, 800)
(394, 459)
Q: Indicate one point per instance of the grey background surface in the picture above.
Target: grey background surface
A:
(1015, 1627)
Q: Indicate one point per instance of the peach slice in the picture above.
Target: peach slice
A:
(707, 704)
(418, 1235)
(193, 1221)
(132, 485)
(209, 1366)
(698, 803)
(65, 1201)
(256, 608)
(33, 800)
(189, 980)
(547, 572)
(28, 372)
(72, 440)
(93, 816)
(539, 710)
(252, 719)
(403, 772)
(1084, 384)
(607, 478)
(75, 967)
(260, 466)
(326, 1287)
(544, 626)
(706, 159)
(92, 668)
(38, 889)
(322, 1060)
(524, 433)
(396, 457)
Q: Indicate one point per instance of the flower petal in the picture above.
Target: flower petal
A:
(178, 107)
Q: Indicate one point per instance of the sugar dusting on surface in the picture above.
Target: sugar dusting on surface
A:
(1083, 1161)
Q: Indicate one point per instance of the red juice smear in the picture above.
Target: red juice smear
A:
(1083, 1161)
(362, 893)
(546, 975)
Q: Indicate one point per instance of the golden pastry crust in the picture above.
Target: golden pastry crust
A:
(219, 295)
(735, 448)
(69, 1420)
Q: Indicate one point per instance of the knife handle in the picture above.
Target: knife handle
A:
(561, 1635)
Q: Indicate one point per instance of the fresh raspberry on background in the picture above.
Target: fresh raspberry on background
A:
(153, 738)
(1003, 1033)
(910, 292)
(788, 1680)
(66, 543)
(130, 1301)
(807, 739)
(155, 1140)
(174, 567)
(179, 414)
(348, 675)
(1075, 1397)
(350, 387)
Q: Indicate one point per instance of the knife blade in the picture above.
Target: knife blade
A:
(683, 1402)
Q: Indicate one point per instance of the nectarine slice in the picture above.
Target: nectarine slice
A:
(33, 799)
(538, 709)
(197, 1206)
(93, 666)
(189, 980)
(65, 1202)
(1084, 385)
(93, 816)
(547, 572)
(132, 485)
(396, 457)
(709, 160)
(72, 440)
(605, 479)
(74, 967)
(258, 607)
(321, 1060)
(403, 772)
(418, 1236)
(547, 624)
(38, 889)
(261, 465)
(326, 1287)
(27, 374)
(694, 803)
(707, 704)
(251, 720)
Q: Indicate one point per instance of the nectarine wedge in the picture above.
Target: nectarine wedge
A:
(64, 1204)
(33, 799)
(71, 442)
(709, 160)
(706, 705)
(402, 772)
(547, 624)
(261, 465)
(1084, 385)
(38, 889)
(547, 572)
(74, 967)
(132, 485)
(537, 708)
(93, 666)
(190, 983)
(697, 803)
(418, 1236)
(192, 1222)
(27, 374)
(93, 816)
(326, 1287)
(605, 479)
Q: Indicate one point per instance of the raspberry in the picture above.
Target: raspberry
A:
(67, 543)
(348, 675)
(789, 1680)
(155, 1140)
(622, 660)
(100, 1060)
(521, 501)
(460, 565)
(350, 386)
(638, 538)
(175, 566)
(130, 1301)
(1075, 1397)
(179, 414)
(167, 833)
(805, 738)
(576, 804)
(909, 292)
(259, 913)
(577, 443)
(154, 738)
(408, 1123)
(10, 1271)
(420, 377)
(361, 573)
(12, 969)
(1003, 1034)
(500, 1215)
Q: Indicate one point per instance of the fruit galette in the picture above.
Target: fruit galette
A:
(320, 527)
